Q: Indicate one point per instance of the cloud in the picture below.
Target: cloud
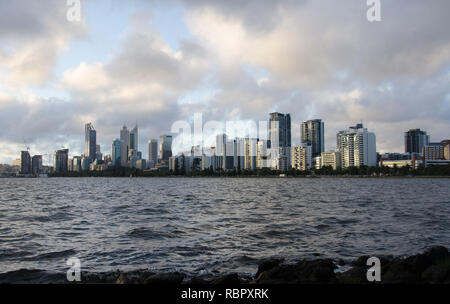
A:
(242, 60)
(32, 34)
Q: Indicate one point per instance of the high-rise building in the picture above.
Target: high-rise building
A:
(251, 152)
(98, 153)
(153, 152)
(116, 152)
(301, 157)
(241, 147)
(165, 147)
(76, 166)
(25, 162)
(231, 160)
(280, 130)
(36, 164)
(221, 143)
(134, 140)
(61, 161)
(125, 138)
(313, 135)
(415, 140)
(90, 139)
(357, 147)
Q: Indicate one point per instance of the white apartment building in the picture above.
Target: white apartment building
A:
(357, 147)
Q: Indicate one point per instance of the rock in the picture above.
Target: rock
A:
(436, 275)
(267, 265)
(231, 279)
(122, 279)
(356, 275)
(165, 279)
(398, 271)
(304, 272)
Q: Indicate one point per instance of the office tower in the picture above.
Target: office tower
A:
(301, 157)
(152, 152)
(36, 164)
(116, 152)
(85, 164)
(280, 130)
(251, 152)
(98, 153)
(231, 160)
(134, 140)
(25, 162)
(125, 138)
(90, 139)
(241, 147)
(330, 159)
(165, 147)
(415, 140)
(313, 135)
(61, 161)
(433, 151)
(221, 142)
(357, 147)
(76, 167)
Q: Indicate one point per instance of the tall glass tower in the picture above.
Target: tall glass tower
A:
(280, 130)
(313, 135)
(415, 140)
(90, 140)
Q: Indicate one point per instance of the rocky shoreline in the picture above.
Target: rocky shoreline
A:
(430, 267)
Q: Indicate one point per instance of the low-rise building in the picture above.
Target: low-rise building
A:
(330, 159)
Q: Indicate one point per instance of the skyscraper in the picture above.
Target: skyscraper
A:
(61, 161)
(134, 140)
(125, 138)
(116, 153)
(221, 142)
(313, 135)
(25, 162)
(153, 151)
(165, 147)
(415, 140)
(90, 139)
(280, 130)
(357, 147)
(36, 164)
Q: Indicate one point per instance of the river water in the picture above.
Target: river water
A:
(215, 225)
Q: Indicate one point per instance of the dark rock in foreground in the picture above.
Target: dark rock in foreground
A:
(430, 267)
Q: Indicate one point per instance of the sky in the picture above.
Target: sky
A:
(153, 63)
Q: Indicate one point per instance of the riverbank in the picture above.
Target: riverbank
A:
(430, 267)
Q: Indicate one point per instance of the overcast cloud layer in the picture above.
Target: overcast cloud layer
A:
(314, 59)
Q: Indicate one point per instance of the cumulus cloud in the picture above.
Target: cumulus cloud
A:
(242, 60)
(32, 34)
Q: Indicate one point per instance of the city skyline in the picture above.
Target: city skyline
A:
(128, 142)
(128, 63)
